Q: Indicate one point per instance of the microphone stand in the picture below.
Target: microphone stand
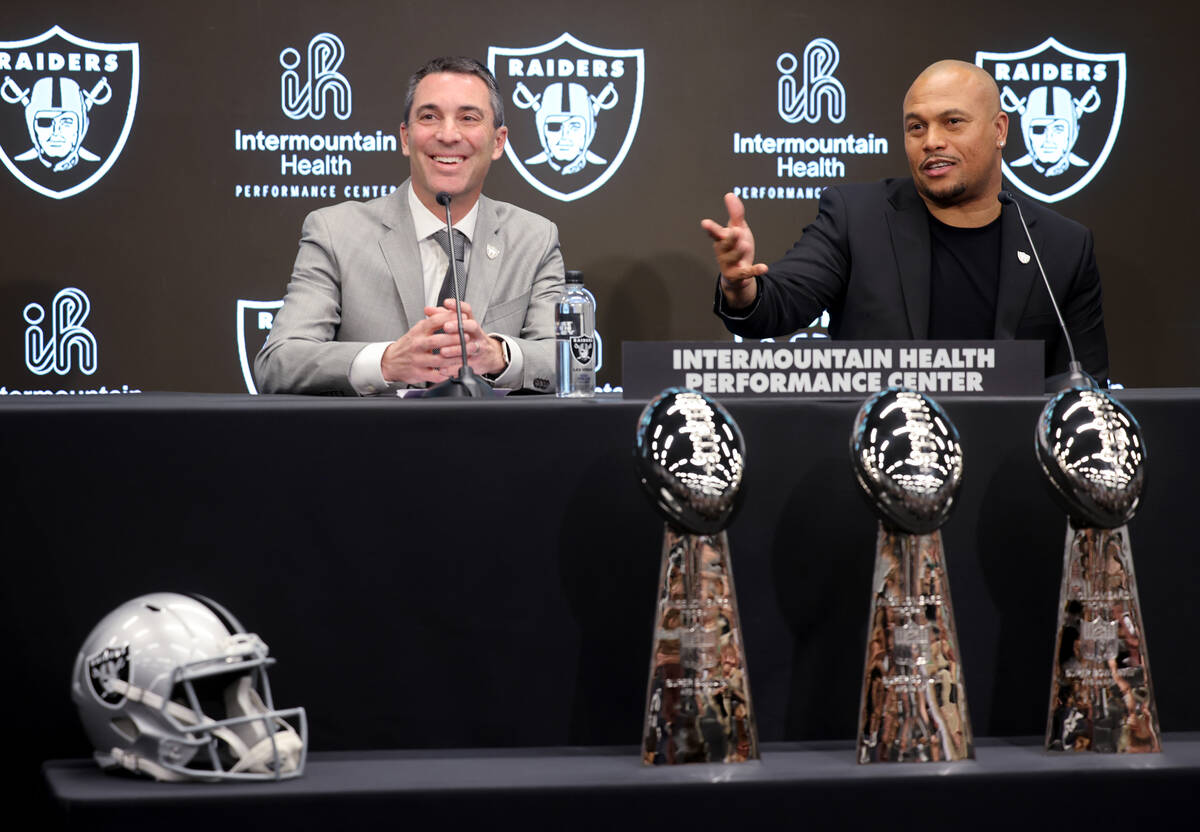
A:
(466, 384)
(1075, 376)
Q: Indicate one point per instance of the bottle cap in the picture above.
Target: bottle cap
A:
(574, 276)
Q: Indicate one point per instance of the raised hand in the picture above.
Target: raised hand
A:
(733, 245)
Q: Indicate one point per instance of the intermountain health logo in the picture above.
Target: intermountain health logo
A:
(328, 163)
(1065, 107)
(66, 107)
(816, 92)
(577, 109)
(61, 343)
(57, 340)
(803, 160)
(322, 80)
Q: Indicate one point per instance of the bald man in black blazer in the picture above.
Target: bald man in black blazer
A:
(932, 257)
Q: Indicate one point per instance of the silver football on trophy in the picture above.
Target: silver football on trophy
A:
(907, 458)
(690, 459)
(1093, 453)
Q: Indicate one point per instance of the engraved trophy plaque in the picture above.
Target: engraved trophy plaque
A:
(909, 462)
(1101, 698)
(690, 457)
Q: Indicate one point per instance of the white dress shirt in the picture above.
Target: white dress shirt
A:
(366, 372)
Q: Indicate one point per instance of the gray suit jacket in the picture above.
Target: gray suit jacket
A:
(357, 280)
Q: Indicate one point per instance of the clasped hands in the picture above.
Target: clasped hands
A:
(425, 355)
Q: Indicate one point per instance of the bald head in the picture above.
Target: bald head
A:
(971, 80)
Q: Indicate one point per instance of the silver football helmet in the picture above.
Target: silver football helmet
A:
(172, 686)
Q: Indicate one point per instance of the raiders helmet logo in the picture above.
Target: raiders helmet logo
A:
(1064, 110)
(574, 111)
(105, 666)
(66, 106)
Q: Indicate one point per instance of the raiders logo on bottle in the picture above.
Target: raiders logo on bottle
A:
(582, 349)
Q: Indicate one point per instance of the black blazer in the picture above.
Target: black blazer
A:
(866, 258)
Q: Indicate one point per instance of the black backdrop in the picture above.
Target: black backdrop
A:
(164, 249)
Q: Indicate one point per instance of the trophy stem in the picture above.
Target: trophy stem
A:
(1101, 695)
(914, 704)
(698, 707)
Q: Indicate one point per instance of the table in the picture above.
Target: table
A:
(337, 530)
(1010, 784)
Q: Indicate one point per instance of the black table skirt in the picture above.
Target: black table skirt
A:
(482, 574)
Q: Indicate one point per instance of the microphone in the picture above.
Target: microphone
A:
(466, 384)
(1075, 376)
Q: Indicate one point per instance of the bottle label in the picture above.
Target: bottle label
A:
(583, 349)
(567, 325)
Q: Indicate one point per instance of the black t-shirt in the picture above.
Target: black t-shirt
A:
(964, 280)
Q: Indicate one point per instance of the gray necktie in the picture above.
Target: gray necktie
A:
(460, 245)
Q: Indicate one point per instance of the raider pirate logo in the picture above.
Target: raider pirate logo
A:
(111, 663)
(582, 349)
(66, 106)
(1066, 106)
(254, 321)
(577, 109)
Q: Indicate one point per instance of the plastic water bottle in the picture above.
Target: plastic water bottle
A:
(575, 334)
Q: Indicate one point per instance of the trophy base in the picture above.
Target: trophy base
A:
(1101, 696)
(698, 707)
(914, 705)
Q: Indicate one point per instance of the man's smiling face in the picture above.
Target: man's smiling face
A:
(451, 139)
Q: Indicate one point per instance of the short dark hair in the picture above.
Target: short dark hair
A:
(460, 66)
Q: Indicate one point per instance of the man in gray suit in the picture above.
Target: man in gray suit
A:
(366, 310)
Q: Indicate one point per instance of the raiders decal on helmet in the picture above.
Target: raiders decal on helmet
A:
(104, 666)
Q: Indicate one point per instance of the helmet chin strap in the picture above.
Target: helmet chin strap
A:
(285, 743)
(151, 699)
(133, 762)
(241, 699)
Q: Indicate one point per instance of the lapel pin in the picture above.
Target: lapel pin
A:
(1022, 256)
(493, 252)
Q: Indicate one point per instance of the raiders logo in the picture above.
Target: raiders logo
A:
(254, 321)
(582, 349)
(1064, 110)
(576, 112)
(66, 106)
(103, 667)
